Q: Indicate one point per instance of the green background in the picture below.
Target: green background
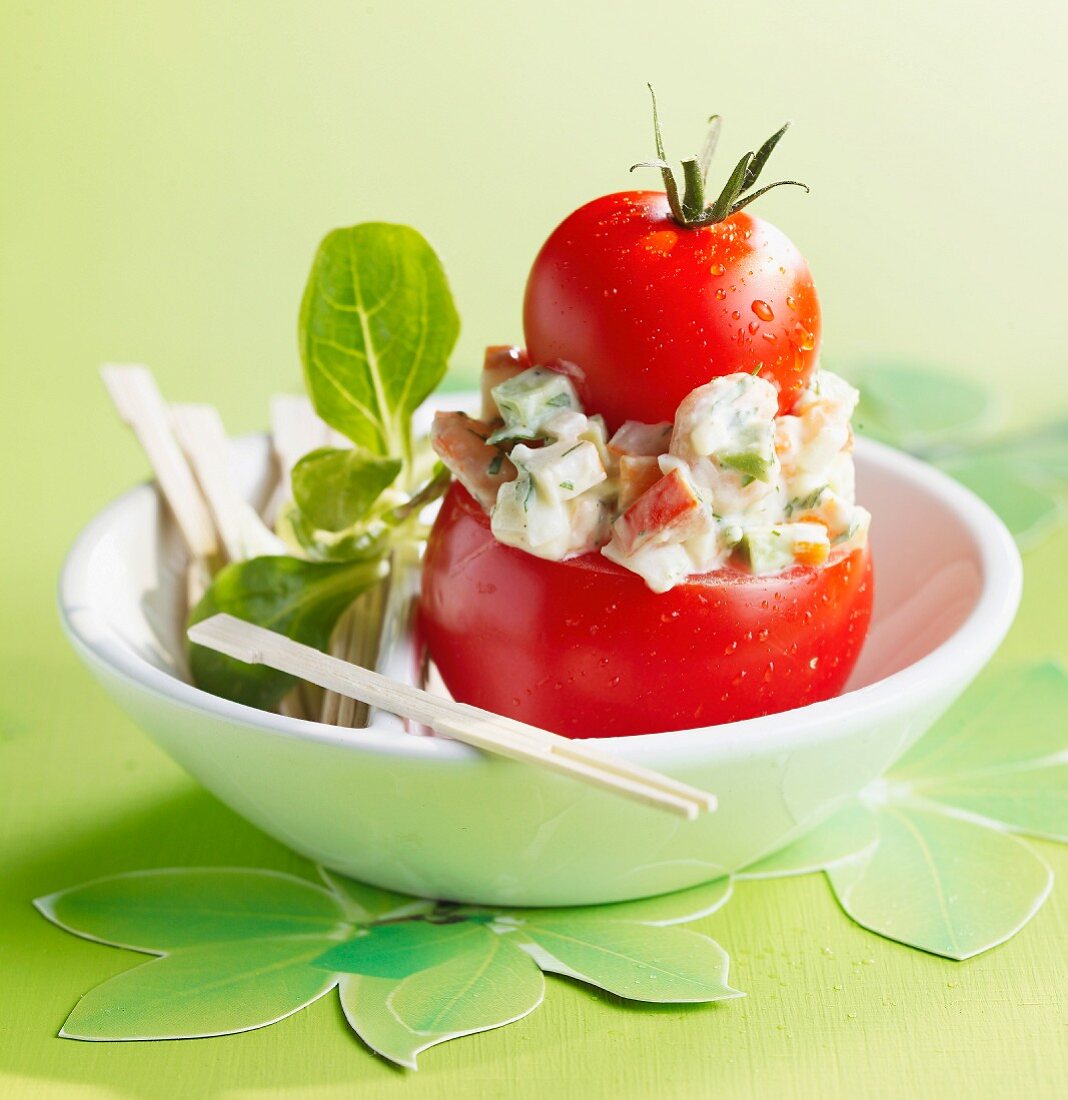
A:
(169, 169)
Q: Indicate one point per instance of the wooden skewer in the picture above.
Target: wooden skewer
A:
(202, 436)
(482, 729)
(140, 404)
(296, 430)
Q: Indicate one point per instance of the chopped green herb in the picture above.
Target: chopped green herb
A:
(494, 467)
(569, 486)
(559, 401)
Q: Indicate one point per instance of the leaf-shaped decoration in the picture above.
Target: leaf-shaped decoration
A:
(638, 961)
(216, 989)
(1028, 509)
(397, 950)
(364, 903)
(912, 406)
(365, 1004)
(1007, 719)
(300, 599)
(159, 911)
(675, 908)
(473, 991)
(377, 325)
(850, 833)
(1025, 800)
(942, 884)
(335, 487)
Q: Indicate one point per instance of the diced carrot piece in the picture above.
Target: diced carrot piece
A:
(811, 553)
(501, 362)
(636, 474)
(460, 442)
(670, 508)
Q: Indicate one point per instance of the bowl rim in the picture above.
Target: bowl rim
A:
(966, 650)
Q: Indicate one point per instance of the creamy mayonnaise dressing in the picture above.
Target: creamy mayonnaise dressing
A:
(729, 483)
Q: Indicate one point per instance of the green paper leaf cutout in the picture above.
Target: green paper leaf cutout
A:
(942, 884)
(1027, 800)
(1006, 719)
(365, 904)
(474, 991)
(377, 326)
(364, 1002)
(849, 834)
(160, 911)
(912, 407)
(397, 950)
(675, 908)
(638, 961)
(216, 989)
(335, 487)
(1026, 508)
(300, 599)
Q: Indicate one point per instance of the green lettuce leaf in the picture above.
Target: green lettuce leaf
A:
(300, 599)
(377, 326)
(336, 487)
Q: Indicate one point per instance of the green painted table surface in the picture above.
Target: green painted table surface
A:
(172, 167)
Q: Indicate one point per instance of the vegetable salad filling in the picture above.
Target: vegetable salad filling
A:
(729, 484)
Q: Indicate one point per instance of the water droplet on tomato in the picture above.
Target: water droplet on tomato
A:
(754, 328)
(762, 310)
(805, 340)
(791, 302)
(735, 315)
(721, 294)
(717, 269)
(661, 242)
(770, 337)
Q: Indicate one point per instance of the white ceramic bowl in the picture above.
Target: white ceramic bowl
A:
(433, 817)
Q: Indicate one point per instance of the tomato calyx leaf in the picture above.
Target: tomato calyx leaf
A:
(690, 209)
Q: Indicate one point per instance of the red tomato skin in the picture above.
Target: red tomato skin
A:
(648, 311)
(583, 648)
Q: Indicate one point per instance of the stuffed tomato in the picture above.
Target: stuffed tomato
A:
(584, 648)
(655, 526)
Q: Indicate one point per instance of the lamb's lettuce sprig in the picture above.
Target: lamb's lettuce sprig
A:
(377, 325)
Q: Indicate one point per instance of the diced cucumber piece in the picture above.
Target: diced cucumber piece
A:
(750, 464)
(772, 549)
(530, 399)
